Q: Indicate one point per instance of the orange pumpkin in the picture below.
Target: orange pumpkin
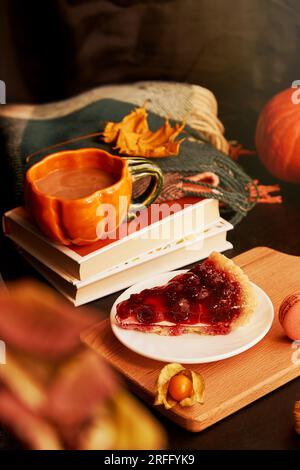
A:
(278, 136)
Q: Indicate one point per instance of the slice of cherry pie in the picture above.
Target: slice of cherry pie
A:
(212, 298)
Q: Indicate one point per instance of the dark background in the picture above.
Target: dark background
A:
(243, 50)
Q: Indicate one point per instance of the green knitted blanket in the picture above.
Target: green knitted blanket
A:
(20, 137)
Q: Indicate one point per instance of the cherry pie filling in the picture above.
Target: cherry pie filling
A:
(204, 295)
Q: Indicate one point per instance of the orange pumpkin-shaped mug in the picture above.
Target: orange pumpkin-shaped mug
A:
(69, 192)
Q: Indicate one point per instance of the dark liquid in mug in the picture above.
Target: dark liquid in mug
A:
(74, 183)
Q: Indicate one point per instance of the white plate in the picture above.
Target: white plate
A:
(193, 348)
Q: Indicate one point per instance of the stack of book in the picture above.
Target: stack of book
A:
(137, 250)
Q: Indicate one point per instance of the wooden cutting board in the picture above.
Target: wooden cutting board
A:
(235, 382)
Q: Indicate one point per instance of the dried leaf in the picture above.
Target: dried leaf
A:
(133, 137)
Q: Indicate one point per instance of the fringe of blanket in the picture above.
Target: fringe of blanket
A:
(175, 187)
(265, 193)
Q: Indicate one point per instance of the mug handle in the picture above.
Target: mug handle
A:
(140, 168)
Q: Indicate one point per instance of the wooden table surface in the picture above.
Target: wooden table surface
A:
(267, 423)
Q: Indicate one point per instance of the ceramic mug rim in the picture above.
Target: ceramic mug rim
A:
(64, 153)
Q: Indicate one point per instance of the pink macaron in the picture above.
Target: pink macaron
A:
(289, 315)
